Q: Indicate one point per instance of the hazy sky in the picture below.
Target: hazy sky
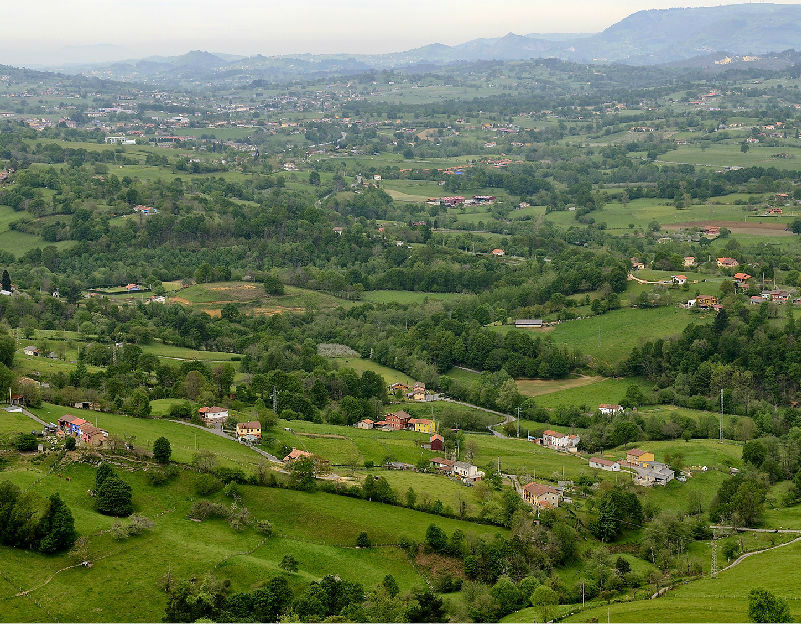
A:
(58, 31)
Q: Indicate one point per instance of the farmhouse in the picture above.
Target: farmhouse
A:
(498, 252)
(741, 278)
(528, 323)
(436, 442)
(680, 279)
(467, 471)
(638, 456)
(398, 420)
(541, 496)
(604, 464)
(365, 424)
(213, 414)
(705, 301)
(728, 263)
(779, 296)
(756, 299)
(654, 474)
(559, 441)
(609, 409)
(442, 464)
(249, 428)
(398, 386)
(31, 350)
(689, 261)
(637, 265)
(422, 425)
(296, 454)
(418, 392)
(92, 436)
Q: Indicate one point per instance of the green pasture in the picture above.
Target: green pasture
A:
(360, 365)
(620, 331)
(123, 585)
(184, 439)
(407, 297)
(721, 599)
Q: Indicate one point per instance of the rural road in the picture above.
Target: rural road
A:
(751, 529)
(507, 417)
(222, 434)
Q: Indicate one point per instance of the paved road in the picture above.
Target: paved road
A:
(33, 416)
(222, 434)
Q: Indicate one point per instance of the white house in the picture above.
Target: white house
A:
(528, 323)
(31, 350)
(213, 414)
(467, 471)
(559, 441)
(604, 464)
(610, 409)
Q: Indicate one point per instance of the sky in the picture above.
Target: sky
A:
(56, 32)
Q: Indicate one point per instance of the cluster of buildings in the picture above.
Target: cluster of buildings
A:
(82, 430)
(647, 471)
(400, 420)
(416, 393)
(458, 200)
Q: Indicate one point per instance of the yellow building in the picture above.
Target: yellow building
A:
(252, 428)
(423, 425)
(638, 456)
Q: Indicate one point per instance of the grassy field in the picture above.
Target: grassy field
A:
(721, 599)
(604, 391)
(176, 352)
(620, 331)
(123, 584)
(360, 365)
(14, 422)
(183, 438)
(545, 387)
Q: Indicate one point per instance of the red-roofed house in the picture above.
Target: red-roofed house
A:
(398, 420)
(296, 454)
(213, 414)
(727, 262)
(610, 408)
(541, 496)
(437, 442)
(604, 464)
(741, 278)
(498, 252)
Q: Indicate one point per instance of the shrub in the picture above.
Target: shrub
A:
(264, 527)
(25, 442)
(206, 484)
(115, 497)
(204, 509)
(161, 476)
(363, 541)
(69, 443)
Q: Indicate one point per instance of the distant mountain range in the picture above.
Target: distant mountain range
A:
(654, 37)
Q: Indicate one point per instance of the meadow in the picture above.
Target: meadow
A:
(124, 582)
(184, 439)
(609, 338)
(721, 599)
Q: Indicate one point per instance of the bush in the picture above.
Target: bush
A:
(204, 509)
(232, 490)
(363, 541)
(26, 442)
(161, 476)
(264, 527)
(69, 443)
(206, 484)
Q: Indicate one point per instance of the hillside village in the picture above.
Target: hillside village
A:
(315, 338)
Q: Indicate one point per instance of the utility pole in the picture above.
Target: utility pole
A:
(714, 570)
(518, 422)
